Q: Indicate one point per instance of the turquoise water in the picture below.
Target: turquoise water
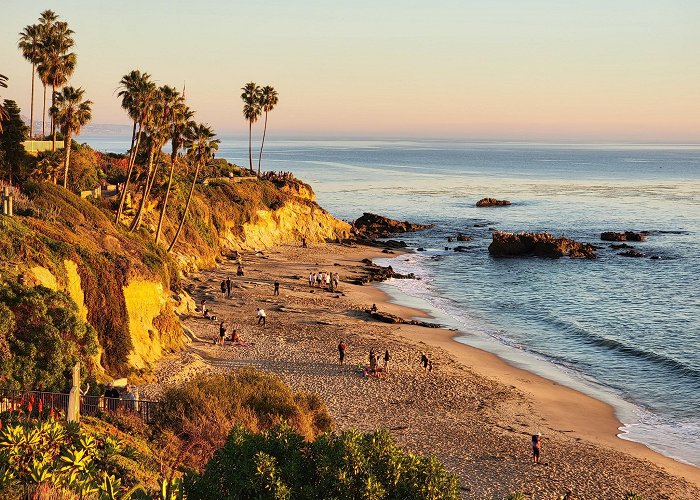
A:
(625, 330)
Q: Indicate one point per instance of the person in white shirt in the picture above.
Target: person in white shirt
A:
(261, 316)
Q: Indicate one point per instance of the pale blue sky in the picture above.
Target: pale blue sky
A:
(468, 69)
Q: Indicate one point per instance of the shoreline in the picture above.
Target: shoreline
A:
(566, 408)
(474, 412)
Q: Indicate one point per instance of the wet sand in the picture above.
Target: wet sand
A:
(474, 412)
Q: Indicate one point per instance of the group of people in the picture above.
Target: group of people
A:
(226, 288)
(279, 176)
(112, 397)
(374, 367)
(234, 338)
(426, 363)
(324, 280)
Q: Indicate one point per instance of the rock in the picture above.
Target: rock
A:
(492, 202)
(420, 249)
(449, 239)
(377, 226)
(461, 249)
(480, 225)
(379, 273)
(395, 244)
(620, 246)
(632, 253)
(394, 319)
(463, 237)
(386, 250)
(655, 257)
(506, 244)
(626, 236)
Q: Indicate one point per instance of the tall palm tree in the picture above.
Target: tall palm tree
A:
(201, 145)
(251, 112)
(268, 101)
(30, 45)
(70, 112)
(46, 22)
(138, 95)
(182, 124)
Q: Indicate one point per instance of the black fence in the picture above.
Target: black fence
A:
(44, 404)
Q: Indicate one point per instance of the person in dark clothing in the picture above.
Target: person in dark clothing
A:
(112, 396)
(424, 361)
(223, 288)
(386, 359)
(277, 288)
(341, 352)
(222, 333)
(536, 442)
(228, 287)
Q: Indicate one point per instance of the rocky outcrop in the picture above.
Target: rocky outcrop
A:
(376, 226)
(632, 253)
(492, 202)
(463, 237)
(374, 273)
(385, 317)
(539, 245)
(624, 236)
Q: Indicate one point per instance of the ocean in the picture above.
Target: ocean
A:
(624, 330)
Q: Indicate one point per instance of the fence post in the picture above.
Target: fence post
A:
(73, 413)
(5, 200)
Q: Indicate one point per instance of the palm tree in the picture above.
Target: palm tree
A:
(251, 112)
(268, 101)
(71, 112)
(182, 124)
(30, 45)
(46, 22)
(201, 145)
(138, 94)
(4, 115)
(57, 64)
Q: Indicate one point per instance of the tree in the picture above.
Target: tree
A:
(46, 22)
(3, 112)
(14, 133)
(181, 125)
(71, 112)
(268, 101)
(251, 112)
(57, 64)
(138, 93)
(30, 45)
(201, 145)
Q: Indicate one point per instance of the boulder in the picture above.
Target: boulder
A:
(492, 202)
(506, 244)
(373, 273)
(461, 248)
(624, 236)
(620, 246)
(632, 253)
(463, 237)
(394, 319)
(377, 226)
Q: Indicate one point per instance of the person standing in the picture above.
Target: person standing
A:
(386, 359)
(223, 288)
(536, 445)
(222, 333)
(424, 361)
(277, 288)
(112, 396)
(341, 352)
(228, 287)
(312, 280)
(129, 398)
(262, 317)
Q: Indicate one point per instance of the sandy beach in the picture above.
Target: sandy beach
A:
(473, 411)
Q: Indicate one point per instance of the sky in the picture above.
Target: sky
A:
(617, 70)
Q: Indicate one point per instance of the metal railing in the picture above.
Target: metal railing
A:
(40, 404)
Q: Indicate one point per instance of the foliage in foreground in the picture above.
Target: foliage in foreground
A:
(280, 464)
(52, 460)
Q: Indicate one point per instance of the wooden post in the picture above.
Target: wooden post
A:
(73, 413)
(5, 200)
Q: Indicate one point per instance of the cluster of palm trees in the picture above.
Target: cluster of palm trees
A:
(3, 111)
(47, 46)
(159, 115)
(256, 101)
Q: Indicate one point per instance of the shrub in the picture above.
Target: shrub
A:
(280, 464)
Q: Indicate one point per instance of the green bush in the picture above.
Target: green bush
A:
(41, 338)
(280, 464)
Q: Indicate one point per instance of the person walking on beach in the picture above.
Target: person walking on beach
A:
(536, 444)
(262, 317)
(277, 288)
(223, 288)
(222, 333)
(341, 352)
(228, 287)
(312, 280)
(386, 359)
(424, 361)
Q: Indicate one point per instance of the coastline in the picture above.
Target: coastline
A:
(475, 412)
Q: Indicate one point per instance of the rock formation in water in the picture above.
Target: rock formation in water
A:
(492, 202)
(506, 244)
(623, 236)
(376, 226)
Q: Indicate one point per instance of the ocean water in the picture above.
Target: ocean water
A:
(625, 330)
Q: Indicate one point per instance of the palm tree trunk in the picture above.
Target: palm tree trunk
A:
(250, 144)
(132, 161)
(187, 206)
(137, 218)
(167, 193)
(31, 112)
(262, 144)
(43, 117)
(67, 159)
(53, 122)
